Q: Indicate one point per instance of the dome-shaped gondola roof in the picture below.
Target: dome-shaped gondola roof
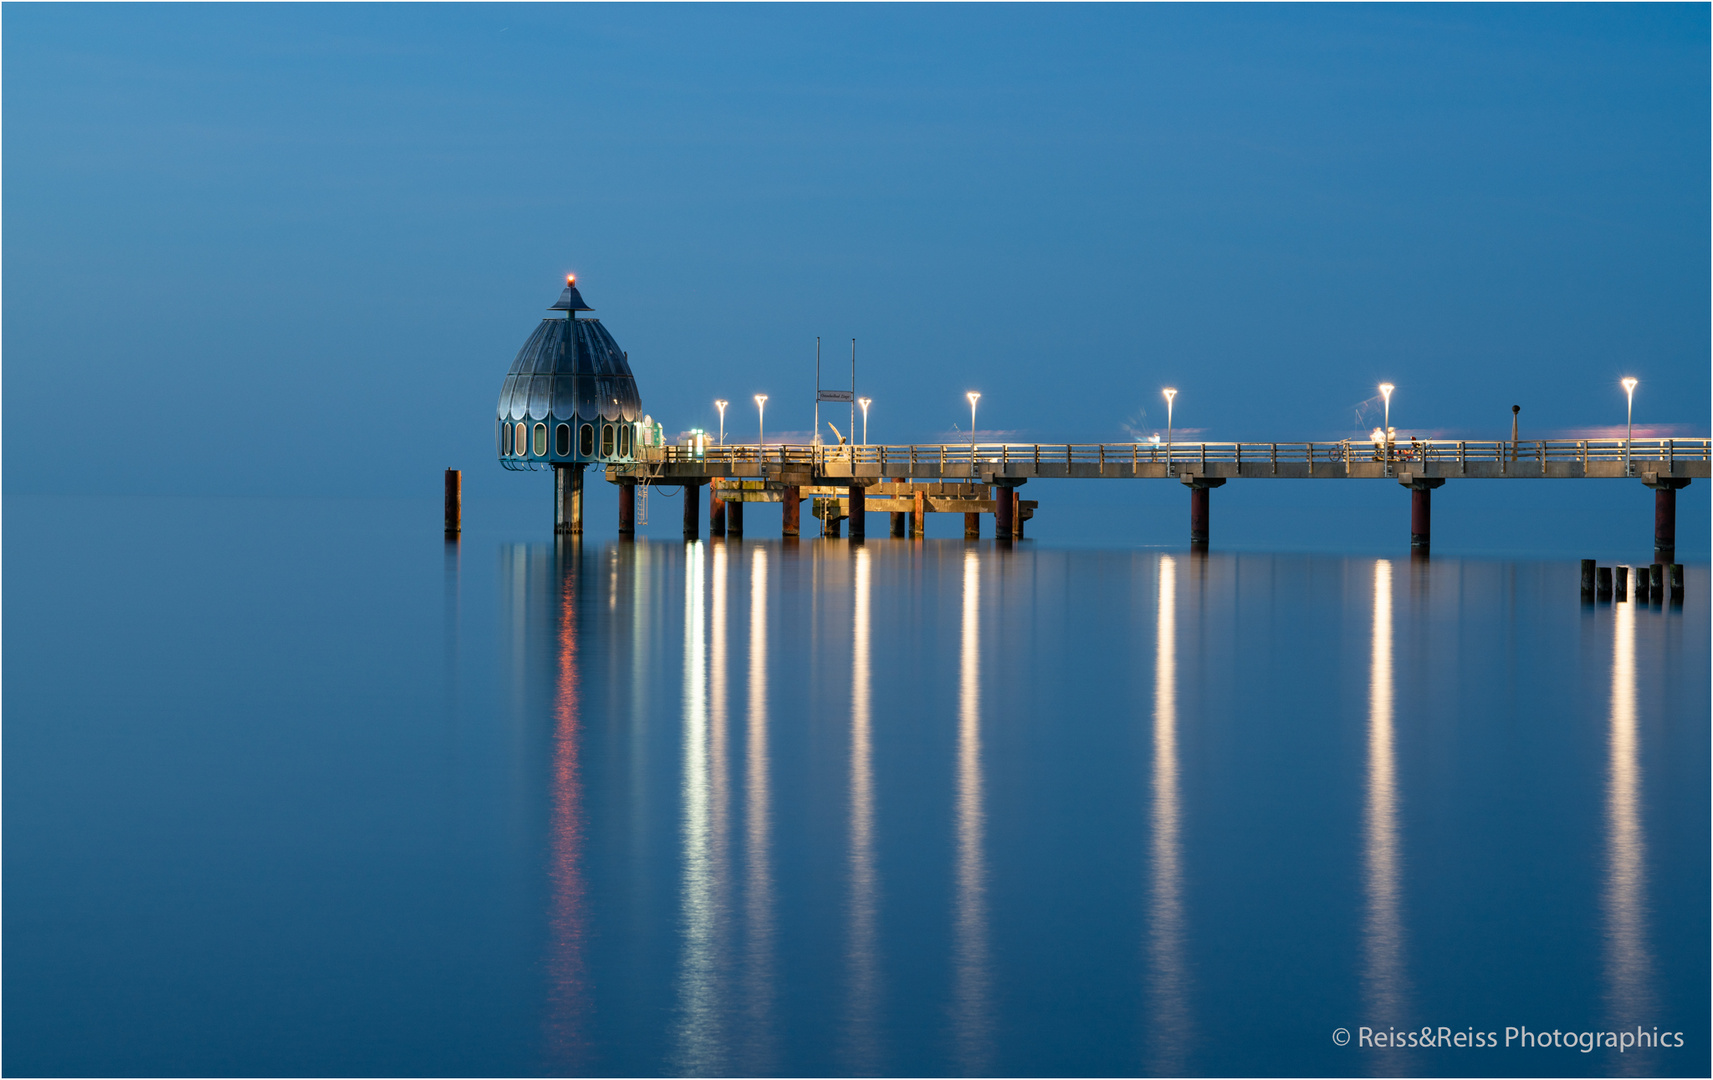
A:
(570, 367)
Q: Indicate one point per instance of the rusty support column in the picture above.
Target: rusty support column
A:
(454, 502)
(627, 509)
(859, 513)
(921, 516)
(1665, 523)
(1004, 505)
(692, 511)
(1421, 510)
(716, 513)
(972, 526)
(734, 519)
(1198, 516)
(792, 512)
(568, 498)
(899, 522)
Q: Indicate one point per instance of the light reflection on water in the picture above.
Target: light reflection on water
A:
(1629, 968)
(1383, 932)
(1169, 1022)
(812, 808)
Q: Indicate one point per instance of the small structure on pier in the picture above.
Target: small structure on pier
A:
(570, 400)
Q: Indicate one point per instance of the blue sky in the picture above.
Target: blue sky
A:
(292, 249)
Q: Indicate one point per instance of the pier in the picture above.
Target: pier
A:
(974, 479)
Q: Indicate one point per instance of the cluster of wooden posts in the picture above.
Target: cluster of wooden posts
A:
(1655, 584)
(909, 505)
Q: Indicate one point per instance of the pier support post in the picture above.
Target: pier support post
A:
(1004, 509)
(792, 511)
(1199, 487)
(859, 512)
(734, 519)
(1621, 584)
(898, 522)
(919, 526)
(692, 511)
(1016, 514)
(1602, 583)
(454, 502)
(627, 509)
(972, 526)
(1421, 510)
(568, 498)
(716, 513)
(1665, 515)
(1588, 576)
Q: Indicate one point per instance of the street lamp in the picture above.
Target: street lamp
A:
(1169, 394)
(973, 396)
(864, 402)
(1386, 389)
(1629, 386)
(721, 405)
(760, 422)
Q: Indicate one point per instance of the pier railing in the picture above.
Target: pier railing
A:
(1540, 457)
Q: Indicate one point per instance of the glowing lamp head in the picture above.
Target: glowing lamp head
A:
(720, 405)
(1169, 393)
(865, 402)
(1386, 389)
(760, 400)
(1629, 386)
(972, 395)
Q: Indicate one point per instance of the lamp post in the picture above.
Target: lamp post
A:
(1629, 420)
(1169, 393)
(974, 396)
(864, 402)
(760, 423)
(1386, 389)
(721, 405)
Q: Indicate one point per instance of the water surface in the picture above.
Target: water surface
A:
(341, 798)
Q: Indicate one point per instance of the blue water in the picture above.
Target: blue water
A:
(294, 787)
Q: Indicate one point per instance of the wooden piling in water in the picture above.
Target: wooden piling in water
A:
(734, 519)
(858, 513)
(919, 520)
(1675, 571)
(1603, 583)
(716, 514)
(1656, 583)
(1016, 514)
(1588, 579)
(454, 502)
(792, 511)
(899, 522)
(1621, 584)
(972, 526)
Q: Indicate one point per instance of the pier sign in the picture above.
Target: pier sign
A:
(835, 395)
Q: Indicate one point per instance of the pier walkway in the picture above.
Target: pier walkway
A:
(982, 478)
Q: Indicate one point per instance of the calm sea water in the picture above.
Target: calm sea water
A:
(296, 788)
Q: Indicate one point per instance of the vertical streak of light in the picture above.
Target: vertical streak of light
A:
(758, 824)
(1169, 1028)
(863, 965)
(1383, 934)
(698, 1040)
(568, 993)
(972, 1020)
(1629, 967)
